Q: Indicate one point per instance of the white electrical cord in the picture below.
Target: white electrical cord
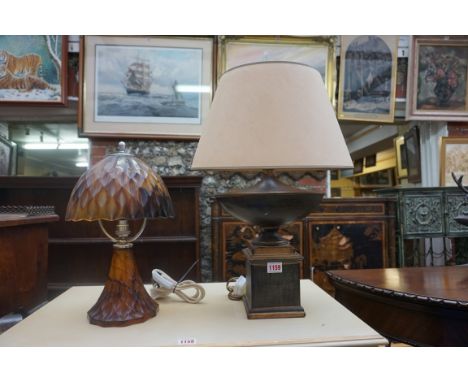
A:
(164, 285)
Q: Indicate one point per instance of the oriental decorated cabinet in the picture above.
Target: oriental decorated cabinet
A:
(346, 233)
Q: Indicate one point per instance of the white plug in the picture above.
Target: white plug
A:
(163, 280)
(239, 287)
(164, 285)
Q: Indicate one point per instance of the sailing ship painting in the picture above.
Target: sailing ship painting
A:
(138, 78)
(145, 84)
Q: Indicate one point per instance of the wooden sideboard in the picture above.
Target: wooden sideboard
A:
(344, 233)
(426, 212)
(79, 253)
(23, 262)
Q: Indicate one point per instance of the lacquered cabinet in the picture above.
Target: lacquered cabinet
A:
(346, 233)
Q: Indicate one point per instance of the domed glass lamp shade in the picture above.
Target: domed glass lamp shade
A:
(266, 117)
(119, 188)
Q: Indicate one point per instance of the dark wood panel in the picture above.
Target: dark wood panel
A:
(23, 264)
(89, 264)
(79, 253)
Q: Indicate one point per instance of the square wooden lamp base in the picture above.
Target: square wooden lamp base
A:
(273, 283)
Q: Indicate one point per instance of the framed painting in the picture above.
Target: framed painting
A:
(371, 160)
(358, 166)
(382, 178)
(400, 155)
(145, 87)
(453, 158)
(317, 52)
(368, 72)
(437, 79)
(413, 155)
(7, 157)
(346, 173)
(33, 70)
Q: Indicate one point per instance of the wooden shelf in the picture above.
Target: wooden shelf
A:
(43, 114)
(80, 254)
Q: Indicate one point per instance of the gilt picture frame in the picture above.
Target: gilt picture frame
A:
(368, 73)
(400, 155)
(453, 158)
(145, 87)
(33, 70)
(438, 79)
(315, 51)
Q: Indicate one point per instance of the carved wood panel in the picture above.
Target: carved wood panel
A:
(457, 204)
(423, 214)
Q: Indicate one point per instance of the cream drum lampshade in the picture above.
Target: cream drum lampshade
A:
(271, 115)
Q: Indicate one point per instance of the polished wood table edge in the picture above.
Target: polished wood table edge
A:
(411, 297)
(14, 220)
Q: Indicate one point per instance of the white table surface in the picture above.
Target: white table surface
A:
(215, 321)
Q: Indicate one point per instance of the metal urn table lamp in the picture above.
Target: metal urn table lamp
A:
(120, 188)
(265, 117)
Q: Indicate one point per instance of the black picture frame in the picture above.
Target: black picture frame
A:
(358, 165)
(371, 160)
(413, 155)
(347, 172)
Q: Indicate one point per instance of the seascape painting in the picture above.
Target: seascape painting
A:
(368, 78)
(31, 69)
(148, 84)
(442, 78)
(142, 86)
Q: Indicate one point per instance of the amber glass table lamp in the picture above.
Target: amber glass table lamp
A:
(120, 188)
(267, 117)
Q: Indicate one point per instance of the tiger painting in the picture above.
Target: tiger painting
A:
(26, 83)
(21, 66)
